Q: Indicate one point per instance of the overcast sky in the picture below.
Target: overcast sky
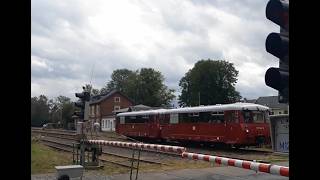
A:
(75, 42)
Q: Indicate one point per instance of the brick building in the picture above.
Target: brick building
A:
(102, 108)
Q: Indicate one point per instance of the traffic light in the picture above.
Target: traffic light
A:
(83, 105)
(277, 44)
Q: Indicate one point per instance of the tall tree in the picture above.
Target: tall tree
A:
(150, 89)
(91, 90)
(122, 80)
(210, 82)
(39, 110)
(65, 110)
(144, 86)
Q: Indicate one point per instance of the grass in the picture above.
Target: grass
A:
(44, 159)
(110, 169)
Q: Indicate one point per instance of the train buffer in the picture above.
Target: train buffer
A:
(72, 171)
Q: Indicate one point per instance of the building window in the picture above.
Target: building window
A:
(285, 112)
(116, 108)
(93, 110)
(98, 110)
(280, 112)
(116, 99)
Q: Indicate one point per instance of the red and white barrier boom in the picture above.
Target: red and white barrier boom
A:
(163, 148)
(262, 167)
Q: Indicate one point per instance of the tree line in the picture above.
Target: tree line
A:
(208, 82)
(58, 110)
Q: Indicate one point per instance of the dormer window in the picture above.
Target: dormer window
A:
(116, 99)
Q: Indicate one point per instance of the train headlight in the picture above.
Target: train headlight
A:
(247, 130)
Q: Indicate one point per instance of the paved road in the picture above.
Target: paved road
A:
(216, 173)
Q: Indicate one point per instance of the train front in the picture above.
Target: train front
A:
(255, 126)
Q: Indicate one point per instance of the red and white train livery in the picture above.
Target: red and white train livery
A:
(237, 124)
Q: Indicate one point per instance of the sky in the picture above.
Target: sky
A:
(77, 42)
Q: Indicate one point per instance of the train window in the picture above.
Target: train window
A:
(122, 120)
(193, 114)
(254, 116)
(134, 119)
(247, 116)
(140, 119)
(258, 117)
(204, 117)
(184, 118)
(217, 117)
(174, 118)
(129, 119)
(164, 118)
(194, 117)
(231, 117)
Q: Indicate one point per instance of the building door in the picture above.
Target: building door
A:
(109, 124)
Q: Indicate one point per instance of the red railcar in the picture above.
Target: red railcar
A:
(236, 124)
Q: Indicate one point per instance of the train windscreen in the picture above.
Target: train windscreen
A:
(254, 116)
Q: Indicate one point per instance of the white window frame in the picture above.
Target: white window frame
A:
(114, 108)
(115, 99)
(91, 110)
(174, 118)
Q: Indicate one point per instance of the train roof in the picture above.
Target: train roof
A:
(211, 108)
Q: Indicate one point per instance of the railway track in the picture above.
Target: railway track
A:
(240, 153)
(71, 135)
(58, 134)
(122, 160)
(60, 130)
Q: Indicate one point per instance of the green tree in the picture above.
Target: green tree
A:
(54, 112)
(122, 80)
(211, 82)
(92, 91)
(150, 89)
(144, 86)
(65, 110)
(39, 110)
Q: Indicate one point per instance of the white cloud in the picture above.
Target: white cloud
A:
(69, 38)
(39, 63)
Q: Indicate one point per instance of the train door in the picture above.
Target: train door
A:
(164, 127)
(212, 126)
(153, 127)
(232, 127)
